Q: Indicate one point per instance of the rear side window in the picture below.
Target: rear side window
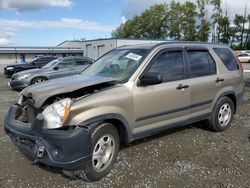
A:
(83, 62)
(201, 63)
(169, 65)
(227, 57)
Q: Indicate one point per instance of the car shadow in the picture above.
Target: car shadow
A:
(200, 125)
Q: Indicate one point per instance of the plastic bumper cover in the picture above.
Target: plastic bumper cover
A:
(66, 149)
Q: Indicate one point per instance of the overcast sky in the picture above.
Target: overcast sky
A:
(49, 22)
(133, 7)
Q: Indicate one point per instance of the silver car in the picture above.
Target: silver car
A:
(57, 68)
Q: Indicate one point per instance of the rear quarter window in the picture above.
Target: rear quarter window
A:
(227, 57)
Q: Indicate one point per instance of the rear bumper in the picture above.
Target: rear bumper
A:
(65, 149)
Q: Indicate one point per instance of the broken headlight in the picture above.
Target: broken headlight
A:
(56, 114)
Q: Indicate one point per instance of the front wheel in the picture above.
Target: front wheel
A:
(105, 148)
(38, 80)
(222, 115)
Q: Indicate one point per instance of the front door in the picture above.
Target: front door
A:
(159, 105)
(64, 68)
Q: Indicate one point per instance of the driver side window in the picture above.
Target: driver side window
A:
(169, 65)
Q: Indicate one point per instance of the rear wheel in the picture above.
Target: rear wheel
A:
(105, 148)
(38, 80)
(222, 115)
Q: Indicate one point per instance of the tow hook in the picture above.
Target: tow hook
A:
(40, 151)
(39, 154)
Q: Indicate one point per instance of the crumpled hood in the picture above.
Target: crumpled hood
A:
(42, 91)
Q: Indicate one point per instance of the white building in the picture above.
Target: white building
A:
(90, 48)
(10, 55)
(96, 48)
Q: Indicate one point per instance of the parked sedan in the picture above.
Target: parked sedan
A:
(244, 57)
(57, 68)
(38, 62)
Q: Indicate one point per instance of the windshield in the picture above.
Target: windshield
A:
(119, 64)
(51, 64)
(31, 61)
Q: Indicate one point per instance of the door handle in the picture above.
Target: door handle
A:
(219, 80)
(181, 86)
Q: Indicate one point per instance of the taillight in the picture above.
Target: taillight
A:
(239, 64)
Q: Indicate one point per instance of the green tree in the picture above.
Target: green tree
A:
(239, 22)
(129, 29)
(224, 23)
(188, 25)
(247, 41)
(216, 17)
(204, 26)
(153, 22)
(175, 20)
(150, 24)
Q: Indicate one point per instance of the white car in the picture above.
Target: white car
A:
(244, 57)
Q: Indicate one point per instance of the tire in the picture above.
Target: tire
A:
(222, 115)
(100, 166)
(37, 80)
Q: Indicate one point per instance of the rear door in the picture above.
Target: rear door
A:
(232, 73)
(204, 81)
(159, 105)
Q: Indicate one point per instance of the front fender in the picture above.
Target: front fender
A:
(90, 118)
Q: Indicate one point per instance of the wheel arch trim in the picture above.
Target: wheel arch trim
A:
(95, 121)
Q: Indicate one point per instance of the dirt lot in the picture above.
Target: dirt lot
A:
(188, 157)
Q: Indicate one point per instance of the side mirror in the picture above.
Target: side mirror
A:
(56, 68)
(150, 79)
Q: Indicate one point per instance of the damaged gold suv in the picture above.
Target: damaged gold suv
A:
(78, 123)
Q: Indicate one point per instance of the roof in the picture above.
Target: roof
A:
(153, 45)
(100, 39)
(74, 57)
(31, 49)
(138, 46)
(69, 41)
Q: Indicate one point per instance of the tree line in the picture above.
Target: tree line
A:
(189, 22)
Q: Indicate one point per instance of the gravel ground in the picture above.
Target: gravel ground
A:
(188, 157)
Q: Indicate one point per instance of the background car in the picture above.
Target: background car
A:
(57, 68)
(244, 57)
(38, 62)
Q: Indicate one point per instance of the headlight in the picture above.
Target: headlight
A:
(23, 77)
(56, 114)
(20, 101)
(9, 68)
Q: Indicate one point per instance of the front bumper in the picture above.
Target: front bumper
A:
(8, 72)
(65, 149)
(19, 84)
